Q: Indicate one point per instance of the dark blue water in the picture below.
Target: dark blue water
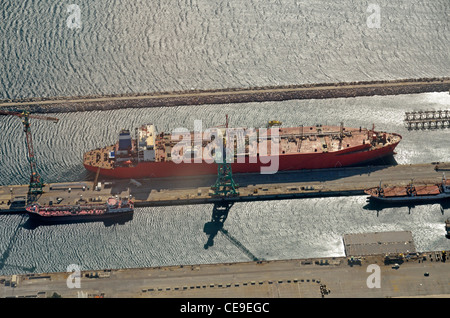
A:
(139, 47)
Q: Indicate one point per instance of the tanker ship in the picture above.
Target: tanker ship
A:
(82, 211)
(151, 154)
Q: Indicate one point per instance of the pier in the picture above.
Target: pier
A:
(431, 119)
(228, 96)
(252, 187)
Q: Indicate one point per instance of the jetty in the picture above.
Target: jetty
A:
(228, 96)
(346, 181)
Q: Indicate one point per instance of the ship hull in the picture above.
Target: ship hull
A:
(286, 162)
(411, 199)
(116, 216)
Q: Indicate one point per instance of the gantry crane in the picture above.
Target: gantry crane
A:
(225, 185)
(36, 184)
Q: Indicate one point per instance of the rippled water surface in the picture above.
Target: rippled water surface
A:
(134, 46)
(140, 46)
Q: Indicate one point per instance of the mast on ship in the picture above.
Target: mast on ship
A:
(380, 191)
(410, 189)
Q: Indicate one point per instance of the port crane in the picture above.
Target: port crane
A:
(36, 184)
(225, 185)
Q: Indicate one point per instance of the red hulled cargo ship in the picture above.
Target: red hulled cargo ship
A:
(150, 154)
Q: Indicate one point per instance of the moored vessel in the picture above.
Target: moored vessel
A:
(152, 155)
(112, 208)
(410, 193)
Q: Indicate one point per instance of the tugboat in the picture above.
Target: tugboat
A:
(113, 208)
(411, 193)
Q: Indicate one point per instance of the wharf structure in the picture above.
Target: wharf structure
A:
(430, 119)
(402, 272)
(422, 274)
(252, 187)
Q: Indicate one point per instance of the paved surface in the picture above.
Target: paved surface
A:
(327, 277)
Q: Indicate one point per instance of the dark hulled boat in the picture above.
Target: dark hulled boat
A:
(411, 193)
(113, 208)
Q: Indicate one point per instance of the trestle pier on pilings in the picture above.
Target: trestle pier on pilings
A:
(428, 119)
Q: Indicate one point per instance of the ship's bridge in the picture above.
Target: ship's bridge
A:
(146, 142)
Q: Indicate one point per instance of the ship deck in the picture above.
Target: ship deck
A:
(99, 157)
(292, 140)
(417, 189)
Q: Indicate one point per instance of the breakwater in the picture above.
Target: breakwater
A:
(228, 96)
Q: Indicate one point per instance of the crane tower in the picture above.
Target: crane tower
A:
(36, 184)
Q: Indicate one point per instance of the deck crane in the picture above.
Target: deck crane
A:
(36, 184)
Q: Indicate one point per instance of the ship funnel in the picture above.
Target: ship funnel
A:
(125, 140)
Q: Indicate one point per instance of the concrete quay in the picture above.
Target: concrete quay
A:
(421, 275)
(252, 187)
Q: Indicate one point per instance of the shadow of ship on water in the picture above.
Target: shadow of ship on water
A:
(32, 224)
(378, 206)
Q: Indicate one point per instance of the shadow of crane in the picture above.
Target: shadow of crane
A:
(219, 216)
(4, 257)
(239, 245)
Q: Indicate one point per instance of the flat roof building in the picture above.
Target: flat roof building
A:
(378, 243)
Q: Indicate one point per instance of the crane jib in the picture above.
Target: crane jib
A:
(36, 184)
